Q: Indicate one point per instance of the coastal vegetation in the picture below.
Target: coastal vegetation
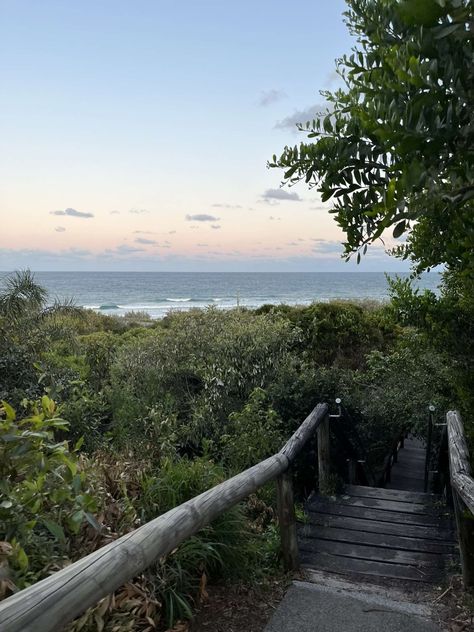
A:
(107, 422)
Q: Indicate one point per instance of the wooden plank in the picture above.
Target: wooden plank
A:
(350, 566)
(365, 552)
(461, 474)
(463, 484)
(385, 504)
(380, 515)
(342, 508)
(51, 603)
(324, 455)
(391, 494)
(388, 528)
(392, 541)
(287, 521)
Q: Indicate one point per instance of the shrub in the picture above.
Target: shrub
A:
(252, 434)
(44, 496)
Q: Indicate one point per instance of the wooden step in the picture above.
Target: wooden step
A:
(362, 491)
(373, 553)
(385, 528)
(346, 508)
(389, 541)
(352, 566)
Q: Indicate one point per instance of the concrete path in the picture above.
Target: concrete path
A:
(333, 605)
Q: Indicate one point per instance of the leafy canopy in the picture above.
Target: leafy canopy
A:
(395, 146)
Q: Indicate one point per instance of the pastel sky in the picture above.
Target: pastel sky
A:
(135, 134)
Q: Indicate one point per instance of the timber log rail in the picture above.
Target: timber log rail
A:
(459, 489)
(50, 604)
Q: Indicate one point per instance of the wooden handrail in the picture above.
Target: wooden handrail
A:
(460, 467)
(52, 602)
(462, 485)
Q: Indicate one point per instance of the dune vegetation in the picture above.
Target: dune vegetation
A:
(108, 422)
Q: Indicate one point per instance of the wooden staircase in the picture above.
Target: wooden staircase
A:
(395, 534)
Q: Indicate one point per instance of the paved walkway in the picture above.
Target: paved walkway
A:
(329, 606)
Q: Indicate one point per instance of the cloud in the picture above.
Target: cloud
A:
(115, 212)
(60, 229)
(280, 194)
(79, 252)
(123, 249)
(202, 217)
(146, 242)
(227, 206)
(203, 245)
(301, 116)
(138, 211)
(318, 208)
(171, 232)
(275, 219)
(71, 212)
(327, 246)
(215, 226)
(268, 97)
(268, 202)
(144, 232)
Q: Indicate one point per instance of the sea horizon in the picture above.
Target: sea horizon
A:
(158, 293)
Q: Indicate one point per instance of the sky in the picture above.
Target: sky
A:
(135, 135)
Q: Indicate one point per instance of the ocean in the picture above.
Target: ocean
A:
(157, 293)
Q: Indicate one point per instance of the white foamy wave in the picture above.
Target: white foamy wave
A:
(179, 300)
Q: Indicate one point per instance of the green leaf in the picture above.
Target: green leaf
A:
(9, 411)
(399, 229)
(79, 444)
(92, 521)
(22, 558)
(55, 529)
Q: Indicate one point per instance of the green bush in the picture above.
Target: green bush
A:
(252, 434)
(44, 497)
(204, 364)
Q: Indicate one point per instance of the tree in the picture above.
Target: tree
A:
(395, 147)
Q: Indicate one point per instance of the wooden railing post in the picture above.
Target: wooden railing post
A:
(463, 494)
(465, 528)
(324, 455)
(287, 521)
(352, 471)
(431, 410)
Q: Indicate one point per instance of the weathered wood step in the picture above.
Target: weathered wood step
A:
(389, 541)
(362, 491)
(342, 508)
(387, 528)
(388, 505)
(353, 566)
(375, 553)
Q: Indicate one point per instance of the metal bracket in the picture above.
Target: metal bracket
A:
(339, 411)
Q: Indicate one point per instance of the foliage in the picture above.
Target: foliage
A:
(44, 498)
(446, 324)
(252, 434)
(394, 146)
(202, 366)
